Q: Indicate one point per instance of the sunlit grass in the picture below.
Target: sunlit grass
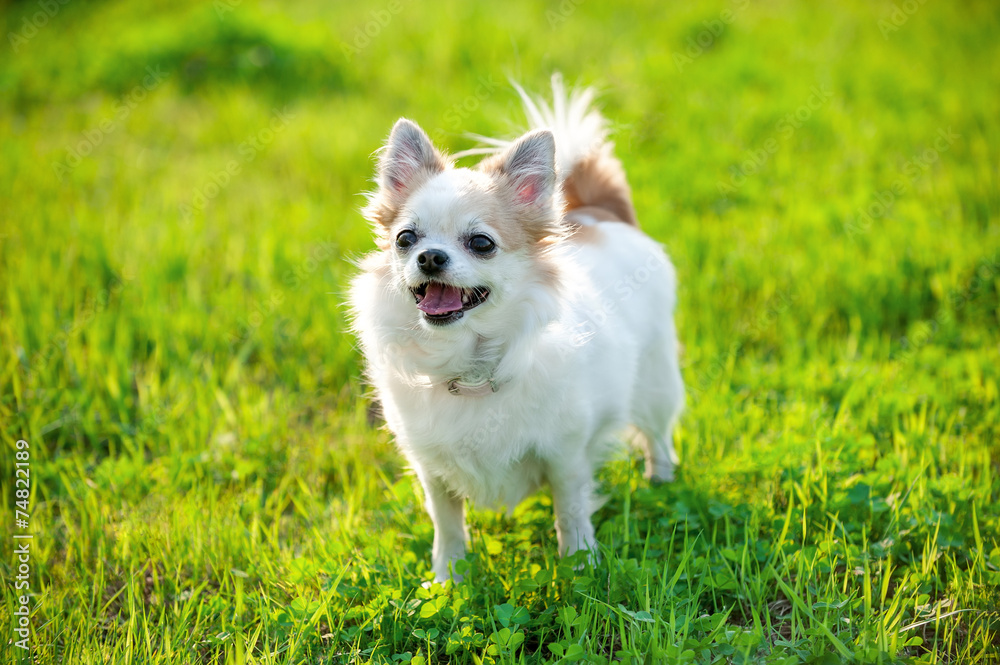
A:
(208, 483)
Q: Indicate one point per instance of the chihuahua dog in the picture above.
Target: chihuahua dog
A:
(515, 320)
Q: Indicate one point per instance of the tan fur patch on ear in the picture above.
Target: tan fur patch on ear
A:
(530, 211)
(384, 205)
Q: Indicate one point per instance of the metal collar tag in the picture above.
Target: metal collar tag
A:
(487, 387)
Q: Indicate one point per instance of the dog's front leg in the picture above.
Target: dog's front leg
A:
(572, 483)
(447, 511)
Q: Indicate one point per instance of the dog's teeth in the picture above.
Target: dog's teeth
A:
(465, 297)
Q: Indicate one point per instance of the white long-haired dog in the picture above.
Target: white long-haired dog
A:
(515, 320)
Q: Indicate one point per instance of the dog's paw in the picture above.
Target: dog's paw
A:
(660, 474)
(443, 581)
(584, 557)
(661, 478)
(592, 560)
(443, 576)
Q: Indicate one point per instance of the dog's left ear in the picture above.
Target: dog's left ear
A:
(528, 168)
(409, 159)
(525, 174)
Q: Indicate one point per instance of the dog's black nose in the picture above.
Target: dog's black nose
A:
(431, 261)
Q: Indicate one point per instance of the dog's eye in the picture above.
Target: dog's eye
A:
(406, 239)
(481, 244)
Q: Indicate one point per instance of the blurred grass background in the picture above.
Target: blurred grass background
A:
(179, 185)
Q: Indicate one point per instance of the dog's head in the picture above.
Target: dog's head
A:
(464, 243)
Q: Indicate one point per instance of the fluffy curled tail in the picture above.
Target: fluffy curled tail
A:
(591, 174)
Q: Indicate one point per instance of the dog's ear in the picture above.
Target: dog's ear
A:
(408, 159)
(527, 168)
(525, 174)
(408, 156)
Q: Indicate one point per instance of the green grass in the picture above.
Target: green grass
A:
(206, 483)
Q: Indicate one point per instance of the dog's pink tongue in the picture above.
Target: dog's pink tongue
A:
(441, 299)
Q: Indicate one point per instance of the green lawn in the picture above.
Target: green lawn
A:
(179, 194)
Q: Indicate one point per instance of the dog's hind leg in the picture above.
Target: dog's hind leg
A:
(661, 459)
(661, 396)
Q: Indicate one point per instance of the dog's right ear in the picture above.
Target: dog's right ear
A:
(408, 156)
(408, 159)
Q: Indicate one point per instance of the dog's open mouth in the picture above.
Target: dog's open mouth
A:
(444, 303)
